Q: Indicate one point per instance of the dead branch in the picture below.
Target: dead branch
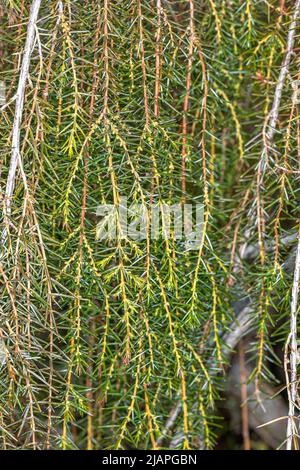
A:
(292, 342)
(273, 116)
(15, 143)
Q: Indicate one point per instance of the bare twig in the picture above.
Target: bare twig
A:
(273, 116)
(169, 423)
(15, 144)
(292, 341)
(270, 126)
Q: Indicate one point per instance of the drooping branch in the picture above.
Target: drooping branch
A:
(273, 116)
(270, 127)
(15, 143)
(292, 341)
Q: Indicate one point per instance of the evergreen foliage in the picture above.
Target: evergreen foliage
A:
(123, 345)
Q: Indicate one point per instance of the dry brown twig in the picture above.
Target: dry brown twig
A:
(292, 383)
(15, 144)
(271, 123)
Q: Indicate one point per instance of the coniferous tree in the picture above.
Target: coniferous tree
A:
(130, 343)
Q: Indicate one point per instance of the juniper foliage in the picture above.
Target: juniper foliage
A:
(123, 345)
